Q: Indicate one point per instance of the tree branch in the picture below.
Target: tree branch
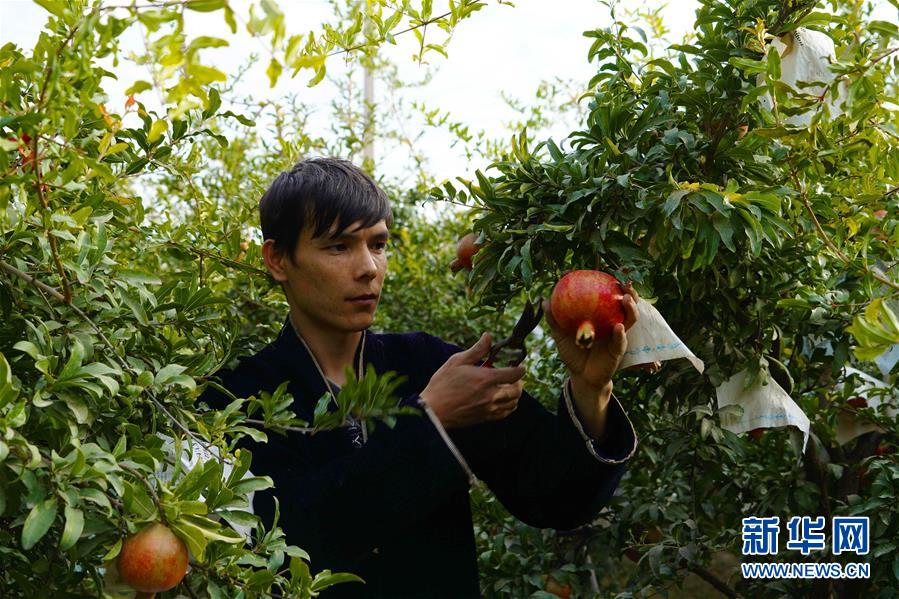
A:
(45, 205)
(834, 248)
(36, 169)
(713, 580)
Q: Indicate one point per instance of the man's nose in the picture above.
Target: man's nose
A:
(367, 267)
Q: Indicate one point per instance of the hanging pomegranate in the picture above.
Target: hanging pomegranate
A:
(465, 250)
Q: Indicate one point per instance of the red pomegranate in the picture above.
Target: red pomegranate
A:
(153, 559)
(556, 588)
(857, 402)
(465, 250)
(589, 304)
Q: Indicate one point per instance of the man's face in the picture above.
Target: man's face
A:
(327, 276)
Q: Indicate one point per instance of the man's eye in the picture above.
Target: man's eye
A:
(381, 245)
(337, 246)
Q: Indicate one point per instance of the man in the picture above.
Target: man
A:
(393, 508)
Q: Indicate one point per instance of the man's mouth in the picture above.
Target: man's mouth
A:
(363, 298)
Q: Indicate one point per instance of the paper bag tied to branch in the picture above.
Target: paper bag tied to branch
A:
(805, 57)
(764, 406)
(652, 340)
(849, 424)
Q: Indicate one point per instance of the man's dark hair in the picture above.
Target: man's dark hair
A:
(317, 193)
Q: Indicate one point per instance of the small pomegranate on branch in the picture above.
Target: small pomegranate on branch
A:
(152, 560)
(589, 304)
(756, 434)
(857, 402)
(465, 250)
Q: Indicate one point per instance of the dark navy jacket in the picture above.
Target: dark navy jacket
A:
(395, 511)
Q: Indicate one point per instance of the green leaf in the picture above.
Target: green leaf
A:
(204, 5)
(325, 579)
(167, 373)
(132, 169)
(773, 66)
(213, 104)
(795, 304)
(274, 72)
(884, 28)
(254, 483)
(750, 66)
(243, 120)
(307, 61)
(212, 530)
(78, 408)
(673, 201)
(38, 522)
(54, 7)
(198, 479)
(156, 130)
(205, 41)
(229, 19)
(725, 230)
(73, 365)
(192, 507)
(8, 392)
(113, 551)
(98, 497)
(193, 537)
(137, 277)
(299, 570)
(238, 517)
(72, 531)
(203, 75)
(138, 87)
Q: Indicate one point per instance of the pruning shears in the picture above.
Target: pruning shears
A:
(512, 347)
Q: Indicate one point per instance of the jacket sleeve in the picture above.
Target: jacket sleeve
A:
(344, 506)
(544, 468)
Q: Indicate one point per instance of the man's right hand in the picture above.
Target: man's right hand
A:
(463, 394)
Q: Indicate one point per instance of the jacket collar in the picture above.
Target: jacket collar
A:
(293, 362)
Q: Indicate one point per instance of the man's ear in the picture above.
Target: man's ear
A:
(274, 260)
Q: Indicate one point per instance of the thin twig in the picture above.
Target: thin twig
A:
(834, 248)
(278, 427)
(218, 257)
(884, 55)
(45, 205)
(137, 474)
(185, 3)
(384, 39)
(36, 169)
